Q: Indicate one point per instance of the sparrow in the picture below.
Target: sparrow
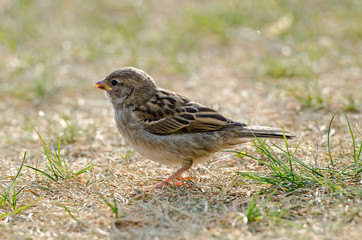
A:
(169, 128)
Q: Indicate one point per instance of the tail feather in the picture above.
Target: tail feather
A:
(264, 132)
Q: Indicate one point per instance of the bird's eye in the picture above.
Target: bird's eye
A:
(114, 82)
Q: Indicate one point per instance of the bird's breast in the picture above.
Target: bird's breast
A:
(148, 145)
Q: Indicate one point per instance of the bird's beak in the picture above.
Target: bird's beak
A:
(102, 85)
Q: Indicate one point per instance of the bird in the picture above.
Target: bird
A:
(169, 128)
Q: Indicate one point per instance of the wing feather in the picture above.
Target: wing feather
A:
(170, 113)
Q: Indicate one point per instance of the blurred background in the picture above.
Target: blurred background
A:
(262, 62)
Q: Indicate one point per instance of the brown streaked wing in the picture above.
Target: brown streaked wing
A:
(206, 119)
(176, 114)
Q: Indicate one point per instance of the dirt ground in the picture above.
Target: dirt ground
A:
(291, 65)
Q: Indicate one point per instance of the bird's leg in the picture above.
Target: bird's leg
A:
(186, 166)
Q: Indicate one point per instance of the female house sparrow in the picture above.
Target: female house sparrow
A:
(169, 128)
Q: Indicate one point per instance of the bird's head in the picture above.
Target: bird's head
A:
(127, 87)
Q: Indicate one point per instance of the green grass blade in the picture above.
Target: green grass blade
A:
(113, 206)
(69, 212)
(356, 154)
(328, 139)
(21, 167)
(288, 154)
(58, 157)
(20, 209)
(5, 192)
(52, 170)
(278, 165)
(352, 136)
(275, 163)
(249, 156)
(312, 169)
(253, 211)
(84, 169)
(358, 162)
(259, 178)
(49, 154)
(294, 159)
(61, 163)
(42, 172)
(50, 166)
(46, 149)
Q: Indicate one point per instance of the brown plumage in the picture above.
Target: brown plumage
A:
(169, 128)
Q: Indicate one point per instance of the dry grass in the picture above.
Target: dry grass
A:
(275, 63)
